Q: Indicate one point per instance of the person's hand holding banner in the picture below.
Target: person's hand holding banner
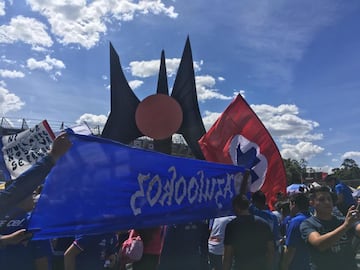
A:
(60, 146)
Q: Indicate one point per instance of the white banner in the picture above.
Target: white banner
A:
(23, 149)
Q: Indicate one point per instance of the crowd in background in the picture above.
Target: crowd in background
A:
(316, 227)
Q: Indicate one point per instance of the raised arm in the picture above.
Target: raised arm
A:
(27, 182)
(14, 238)
(70, 257)
(325, 241)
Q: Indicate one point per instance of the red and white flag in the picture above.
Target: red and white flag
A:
(239, 137)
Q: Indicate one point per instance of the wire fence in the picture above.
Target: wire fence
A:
(15, 125)
(56, 125)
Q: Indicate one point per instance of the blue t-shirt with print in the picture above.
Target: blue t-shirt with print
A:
(301, 260)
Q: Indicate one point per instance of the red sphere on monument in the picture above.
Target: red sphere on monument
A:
(158, 116)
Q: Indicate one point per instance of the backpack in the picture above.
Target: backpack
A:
(132, 249)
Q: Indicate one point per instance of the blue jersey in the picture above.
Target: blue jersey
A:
(301, 260)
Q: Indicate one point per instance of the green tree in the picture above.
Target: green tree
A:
(303, 165)
(294, 170)
(348, 170)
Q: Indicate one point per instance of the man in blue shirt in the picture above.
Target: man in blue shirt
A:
(296, 255)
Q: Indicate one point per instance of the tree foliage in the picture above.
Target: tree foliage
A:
(348, 170)
(295, 170)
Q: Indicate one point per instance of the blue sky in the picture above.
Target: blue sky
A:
(296, 62)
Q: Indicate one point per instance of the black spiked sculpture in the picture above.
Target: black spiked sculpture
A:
(127, 120)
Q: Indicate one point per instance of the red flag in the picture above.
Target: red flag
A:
(239, 137)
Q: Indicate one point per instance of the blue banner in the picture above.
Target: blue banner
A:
(102, 186)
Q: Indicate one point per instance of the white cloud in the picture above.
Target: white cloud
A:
(241, 92)
(204, 84)
(284, 125)
(144, 69)
(172, 65)
(2, 7)
(205, 90)
(9, 101)
(56, 75)
(5, 73)
(37, 48)
(302, 150)
(221, 79)
(47, 64)
(351, 155)
(27, 30)
(95, 122)
(92, 120)
(283, 122)
(210, 118)
(135, 84)
(7, 61)
(81, 22)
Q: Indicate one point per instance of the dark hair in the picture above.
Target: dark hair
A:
(240, 201)
(300, 200)
(316, 190)
(259, 197)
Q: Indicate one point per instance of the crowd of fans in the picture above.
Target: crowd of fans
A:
(313, 228)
